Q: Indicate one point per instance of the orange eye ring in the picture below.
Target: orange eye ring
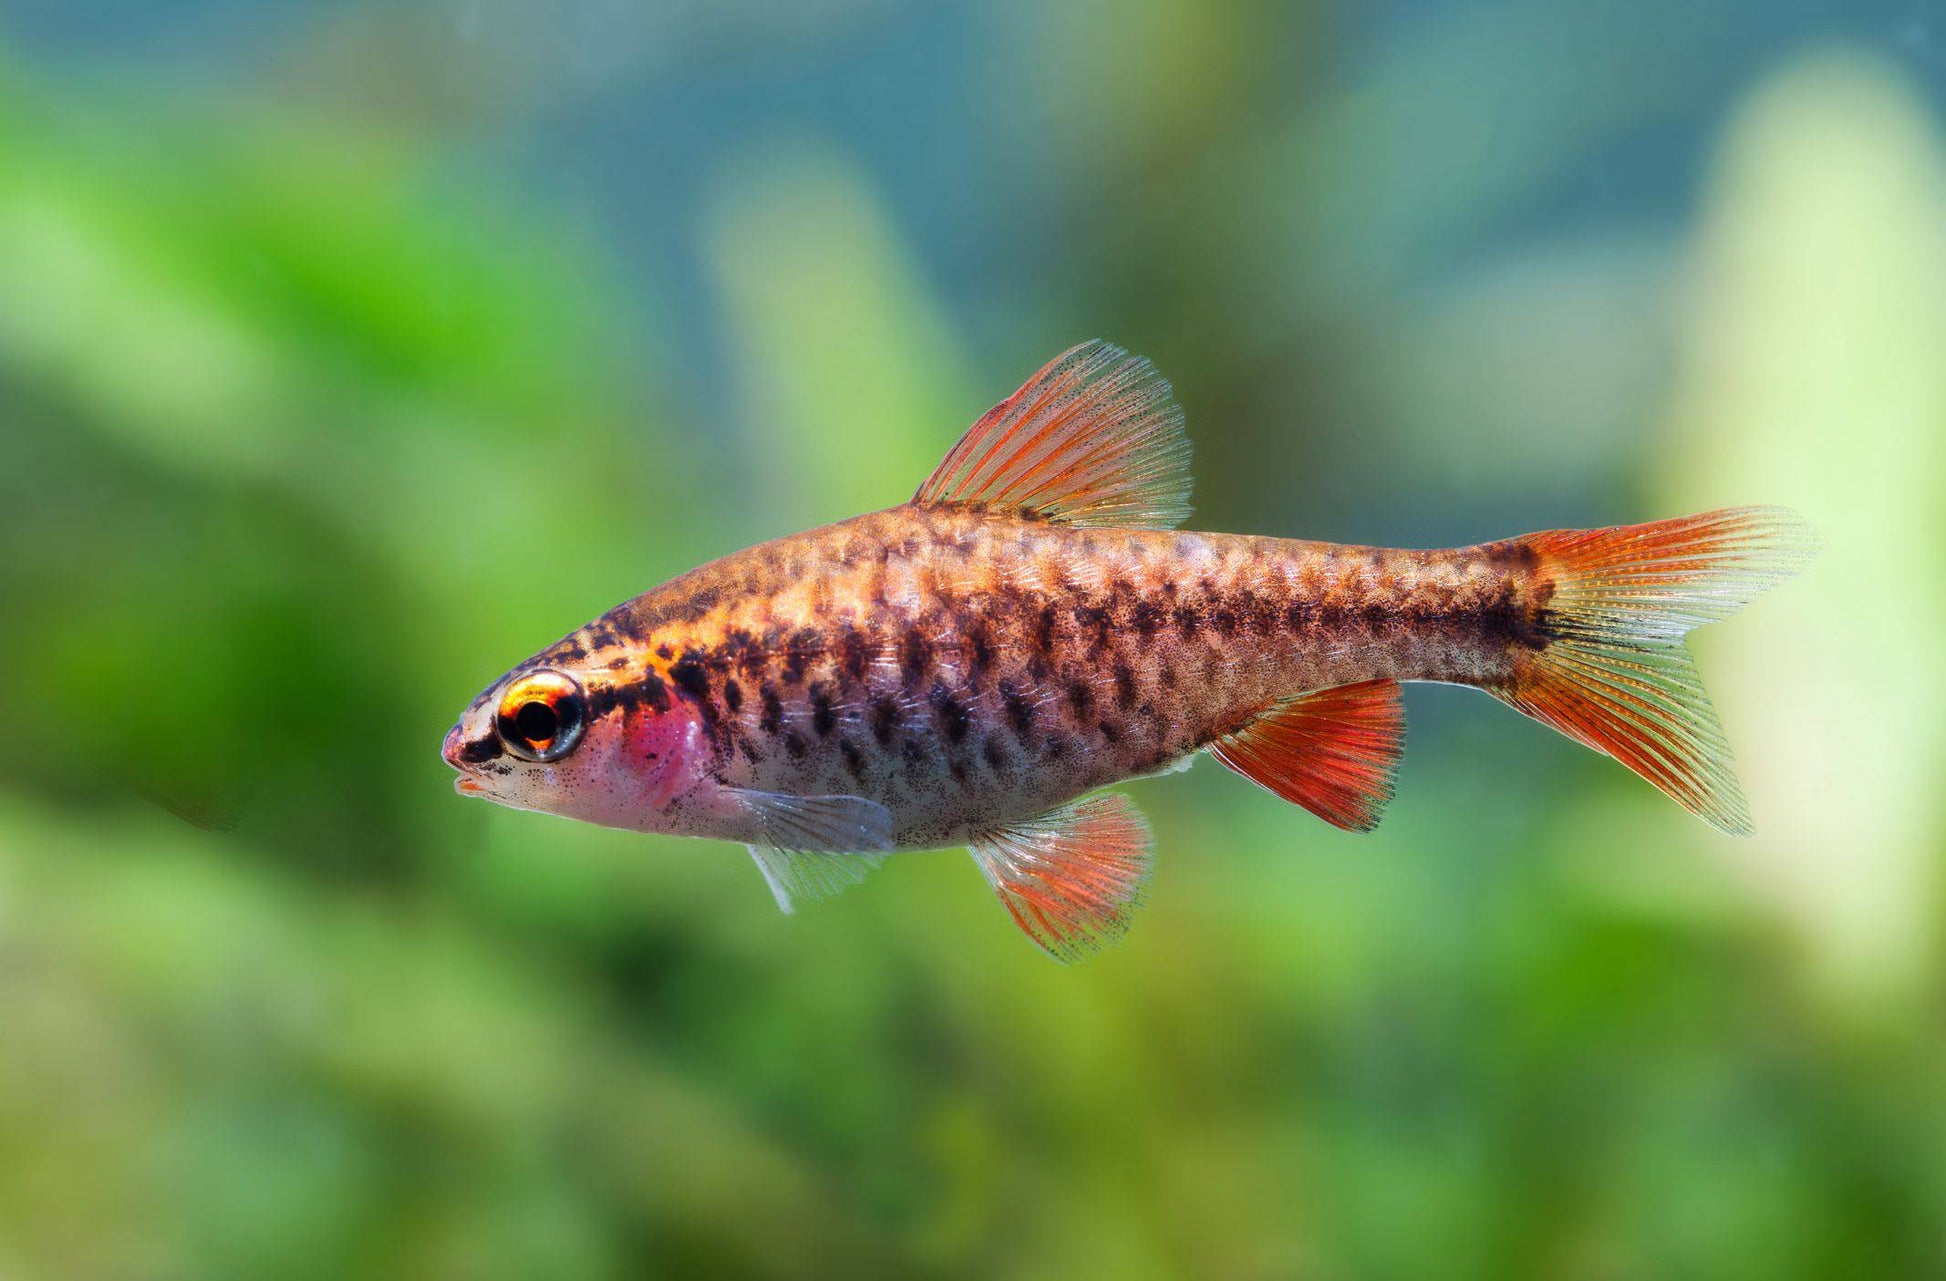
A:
(542, 716)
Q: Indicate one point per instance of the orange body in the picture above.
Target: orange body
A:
(965, 668)
(969, 667)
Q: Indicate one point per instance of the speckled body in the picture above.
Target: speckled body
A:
(965, 668)
(972, 668)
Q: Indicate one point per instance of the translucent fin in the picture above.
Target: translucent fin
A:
(193, 806)
(809, 875)
(1335, 752)
(1180, 765)
(816, 824)
(1094, 438)
(1615, 674)
(1071, 878)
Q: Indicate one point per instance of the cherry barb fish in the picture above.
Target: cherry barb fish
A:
(972, 667)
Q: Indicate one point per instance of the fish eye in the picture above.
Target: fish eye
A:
(541, 716)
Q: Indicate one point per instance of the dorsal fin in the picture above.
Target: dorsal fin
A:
(1094, 438)
(1335, 751)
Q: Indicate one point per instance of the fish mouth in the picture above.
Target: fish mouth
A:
(459, 753)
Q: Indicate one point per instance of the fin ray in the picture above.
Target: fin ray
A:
(1335, 752)
(1615, 674)
(1094, 438)
(811, 847)
(1073, 877)
(809, 875)
(816, 824)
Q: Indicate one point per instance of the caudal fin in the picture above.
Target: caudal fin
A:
(1614, 672)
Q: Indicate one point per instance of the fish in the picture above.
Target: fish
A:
(976, 666)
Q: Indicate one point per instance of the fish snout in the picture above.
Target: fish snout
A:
(469, 748)
(449, 751)
(454, 752)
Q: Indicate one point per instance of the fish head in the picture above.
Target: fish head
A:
(559, 738)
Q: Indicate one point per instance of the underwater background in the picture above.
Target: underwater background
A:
(352, 351)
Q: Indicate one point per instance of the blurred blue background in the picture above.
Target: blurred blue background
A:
(350, 352)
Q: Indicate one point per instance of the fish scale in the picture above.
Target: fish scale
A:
(967, 670)
(972, 666)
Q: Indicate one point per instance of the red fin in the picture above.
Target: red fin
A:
(1094, 438)
(1615, 674)
(1334, 752)
(1073, 877)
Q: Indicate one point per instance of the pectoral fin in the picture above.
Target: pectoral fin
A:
(807, 875)
(811, 847)
(1073, 877)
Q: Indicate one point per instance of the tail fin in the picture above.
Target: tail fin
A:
(1614, 673)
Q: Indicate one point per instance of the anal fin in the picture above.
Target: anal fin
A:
(1335, 752)
(1073, 877)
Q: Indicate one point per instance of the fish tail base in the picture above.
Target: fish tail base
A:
(1612, 671)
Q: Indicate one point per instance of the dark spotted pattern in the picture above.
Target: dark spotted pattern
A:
(967, 669)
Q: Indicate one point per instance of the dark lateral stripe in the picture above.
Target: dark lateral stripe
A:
(885, 718)
(915, 655)
(744, 651)
(953, 716)
(1045, 628)
(799, 649)
(649, 691)
(995, 753)
(823, 718)
(691, 676)
(1099, 623)
(979, 646)
(479, 750)
(854, 654)
(1020, 709)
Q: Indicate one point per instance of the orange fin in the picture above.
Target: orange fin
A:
(1615, 674)
(1094, 438)
(1335, 752)
(1073, 877)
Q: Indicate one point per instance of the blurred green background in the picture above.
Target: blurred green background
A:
(350, 352)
